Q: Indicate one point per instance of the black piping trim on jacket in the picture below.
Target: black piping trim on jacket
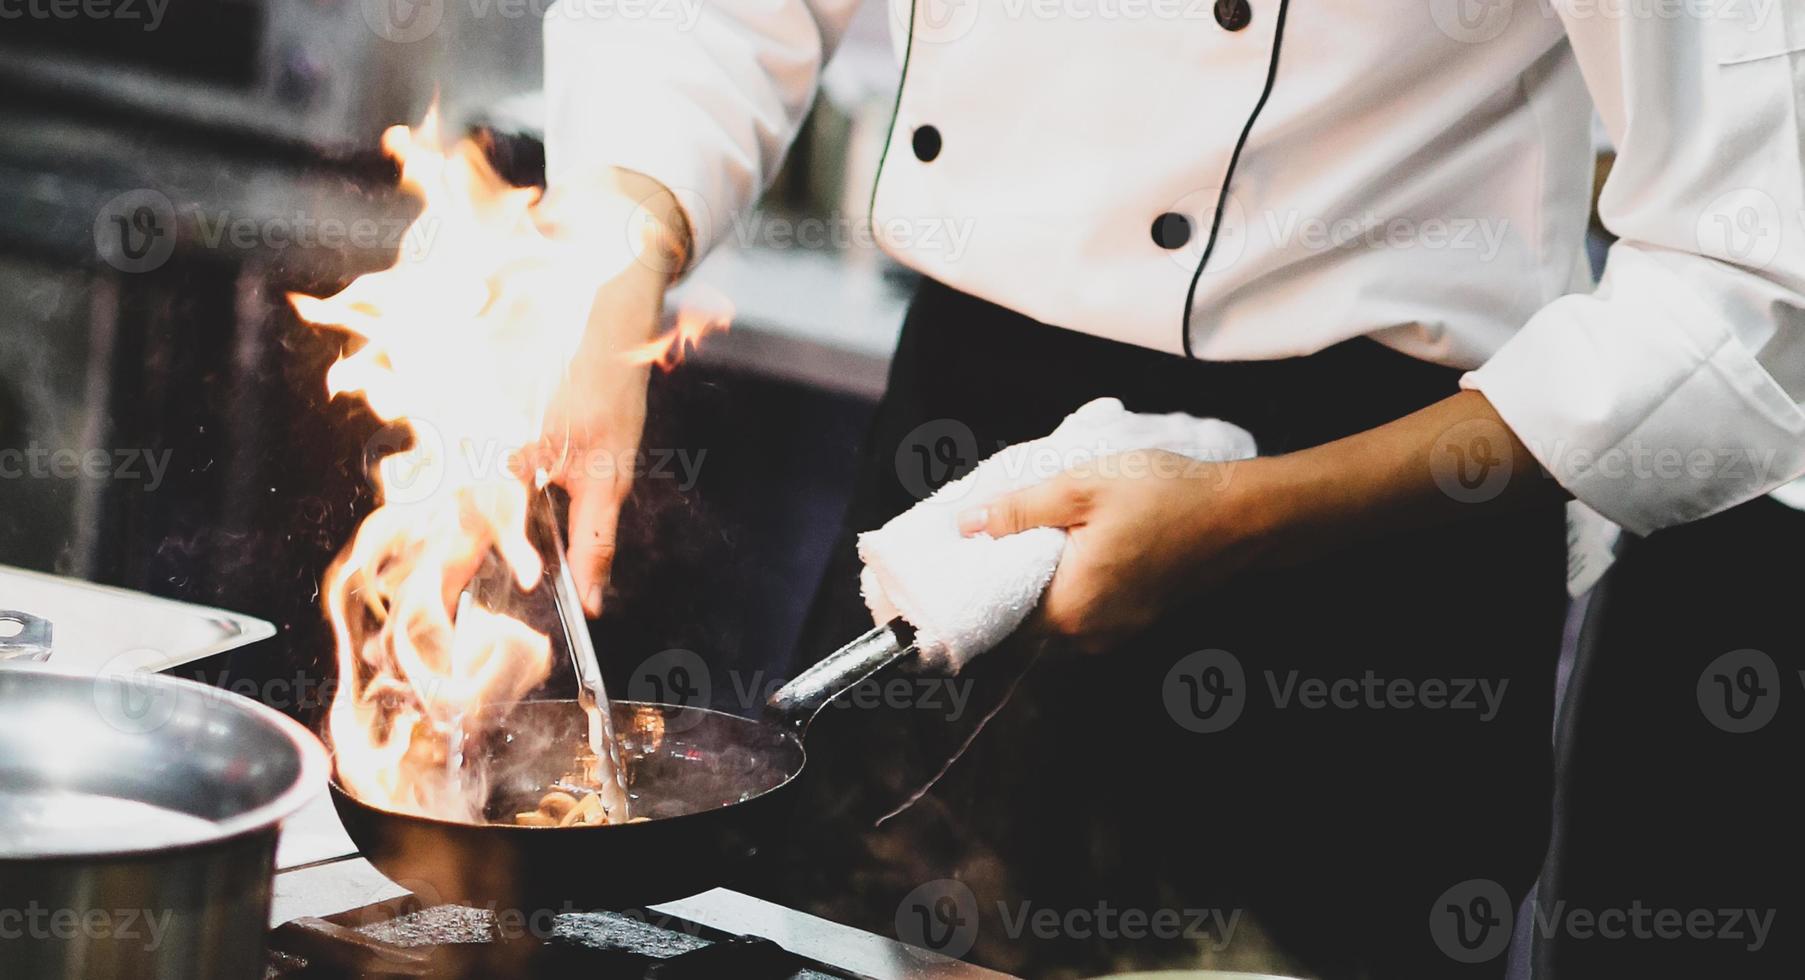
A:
(1228, 177)
(877, 179)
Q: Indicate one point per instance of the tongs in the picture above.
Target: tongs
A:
(607, 776)
(592, 695)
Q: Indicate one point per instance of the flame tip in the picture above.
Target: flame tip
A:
(472, 327)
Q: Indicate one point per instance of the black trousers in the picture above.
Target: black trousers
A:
(1680, 814)
(1106, 818)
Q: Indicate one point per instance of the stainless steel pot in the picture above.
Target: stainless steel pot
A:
(138, 820)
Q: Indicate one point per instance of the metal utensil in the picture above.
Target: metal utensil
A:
(143, 809)
(100, 629)
(23, 636)
(716, 790)
(591, 694)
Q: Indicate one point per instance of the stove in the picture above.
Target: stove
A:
(459, 943)
(335, 917)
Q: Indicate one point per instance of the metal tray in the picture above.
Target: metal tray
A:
(99, 629)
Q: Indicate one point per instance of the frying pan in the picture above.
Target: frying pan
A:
(718, 789)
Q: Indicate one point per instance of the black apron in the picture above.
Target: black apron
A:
(1680, 818)
(1324, 839)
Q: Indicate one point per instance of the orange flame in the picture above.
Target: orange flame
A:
(693, 323)
(462, 343)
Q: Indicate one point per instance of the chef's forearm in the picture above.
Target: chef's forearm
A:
(1451, 461)
(667, 241)
(638, 238)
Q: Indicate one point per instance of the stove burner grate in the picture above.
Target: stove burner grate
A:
(448, 942)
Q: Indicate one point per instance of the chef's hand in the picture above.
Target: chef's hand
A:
(593, 427)
(1145, 528)
(1148, 528)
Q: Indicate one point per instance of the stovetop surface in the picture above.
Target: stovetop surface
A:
(460, 943)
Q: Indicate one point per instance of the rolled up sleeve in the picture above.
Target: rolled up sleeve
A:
(704, 96)
(1674, 390)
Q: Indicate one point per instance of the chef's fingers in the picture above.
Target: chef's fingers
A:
(595, 503)
(1060, 502)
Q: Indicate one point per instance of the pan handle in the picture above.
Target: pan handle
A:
(796, 704)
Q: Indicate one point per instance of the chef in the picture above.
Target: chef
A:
(1354, 229)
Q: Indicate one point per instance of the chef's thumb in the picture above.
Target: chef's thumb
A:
(594, 517)
(1059, 502)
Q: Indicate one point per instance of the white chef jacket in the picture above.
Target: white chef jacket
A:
(1256, 179)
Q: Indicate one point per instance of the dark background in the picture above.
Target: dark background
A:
(201, 358)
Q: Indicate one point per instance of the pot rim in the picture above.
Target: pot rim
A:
(308, 783)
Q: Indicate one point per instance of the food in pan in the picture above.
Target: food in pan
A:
(560, 809)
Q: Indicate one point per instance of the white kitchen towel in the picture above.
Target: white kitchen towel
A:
(964, 595)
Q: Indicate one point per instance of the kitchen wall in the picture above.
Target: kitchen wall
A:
(144, 256)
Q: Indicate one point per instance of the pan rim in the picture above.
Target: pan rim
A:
(338, 790)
